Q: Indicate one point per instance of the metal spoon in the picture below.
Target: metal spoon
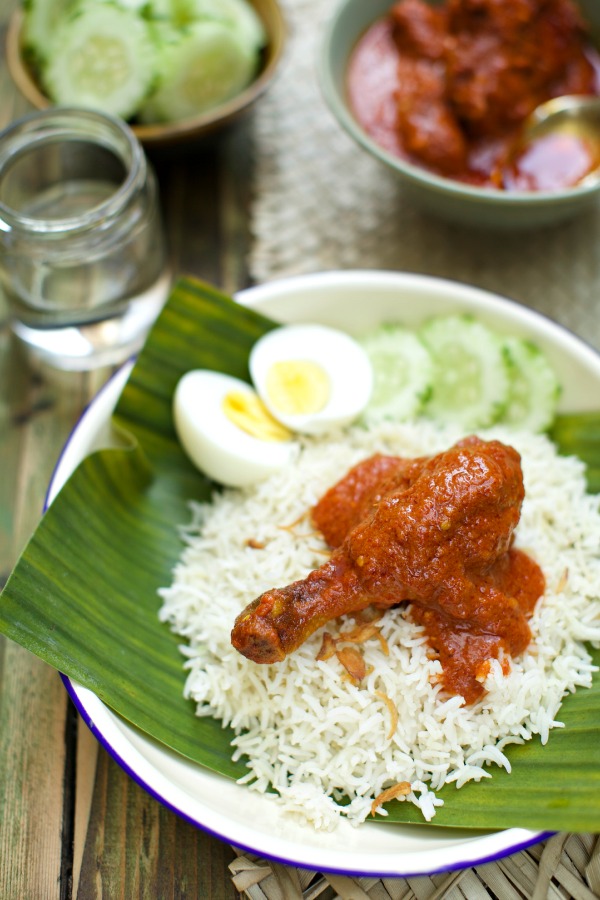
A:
(574, 114)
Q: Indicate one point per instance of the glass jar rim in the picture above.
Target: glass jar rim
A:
(89, 126)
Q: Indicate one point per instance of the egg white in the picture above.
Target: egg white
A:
(217, 446)
(340, 356)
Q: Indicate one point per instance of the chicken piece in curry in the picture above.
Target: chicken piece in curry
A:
(434, 531)
(448, 85)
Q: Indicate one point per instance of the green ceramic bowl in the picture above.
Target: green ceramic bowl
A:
(443, 196)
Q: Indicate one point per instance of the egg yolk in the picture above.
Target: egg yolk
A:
(248, 412)
(297, 387)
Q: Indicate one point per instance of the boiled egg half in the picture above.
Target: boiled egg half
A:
(226, 430)
(311, 378)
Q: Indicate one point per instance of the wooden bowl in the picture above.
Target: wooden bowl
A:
(182, 130)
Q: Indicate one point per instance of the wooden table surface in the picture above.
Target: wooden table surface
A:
(72, 824)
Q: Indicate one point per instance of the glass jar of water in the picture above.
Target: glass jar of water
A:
(83, 261)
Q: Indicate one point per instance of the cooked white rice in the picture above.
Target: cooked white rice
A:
(305, 729)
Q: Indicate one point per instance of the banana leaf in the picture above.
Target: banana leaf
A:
(579, 434)
(83, 595)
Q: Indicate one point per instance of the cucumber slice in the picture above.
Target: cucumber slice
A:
(209, 64)
(402, 374)
(471, 379)
(162, 11)
(238, 14)
(137, 6)
(534, 388)
(102, 57)
(172, 12)
(39, 21)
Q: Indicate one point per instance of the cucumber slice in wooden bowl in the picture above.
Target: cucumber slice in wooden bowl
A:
(176, 70)
(101, 56)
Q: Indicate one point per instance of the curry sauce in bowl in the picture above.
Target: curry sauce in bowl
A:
(440, 92)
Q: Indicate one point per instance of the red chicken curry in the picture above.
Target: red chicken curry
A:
(449, 87)
(434, 531)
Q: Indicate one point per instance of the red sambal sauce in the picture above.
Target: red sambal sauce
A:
(438, 532)
(465, 655)
(448, 87)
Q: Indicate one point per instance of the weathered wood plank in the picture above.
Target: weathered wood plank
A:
(135, 847)
(13, 103)
(70, 827)
(85, 779)
(14, 400)
(236, 159)
(189, 192)
(32, 726)
(33, 702)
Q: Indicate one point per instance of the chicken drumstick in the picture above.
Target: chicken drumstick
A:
(435, 531)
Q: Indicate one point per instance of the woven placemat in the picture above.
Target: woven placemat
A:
(565, 866)
(320, 202)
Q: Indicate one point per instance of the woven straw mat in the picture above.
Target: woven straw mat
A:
(320, 202)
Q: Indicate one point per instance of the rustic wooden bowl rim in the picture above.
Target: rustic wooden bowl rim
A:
(167, 132)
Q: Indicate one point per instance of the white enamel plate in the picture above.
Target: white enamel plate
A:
(354, 301)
